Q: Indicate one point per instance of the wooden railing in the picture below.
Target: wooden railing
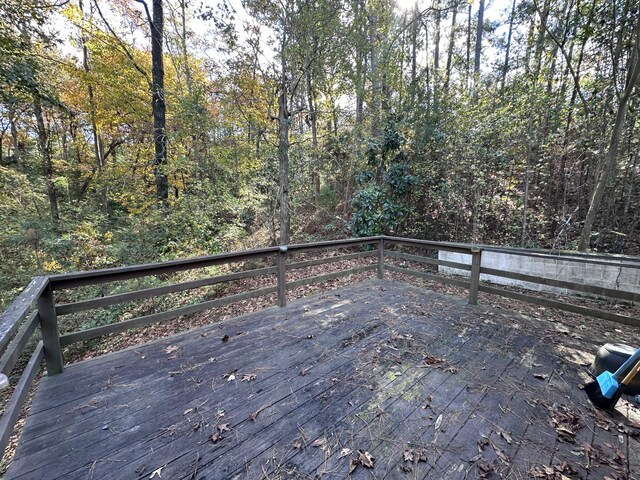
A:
(36, 305)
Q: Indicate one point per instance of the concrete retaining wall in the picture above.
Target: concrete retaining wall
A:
(608, 276)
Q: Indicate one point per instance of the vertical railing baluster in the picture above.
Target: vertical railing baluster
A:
(474, 284)
(282, 275)
(381, 258)
(50, 331)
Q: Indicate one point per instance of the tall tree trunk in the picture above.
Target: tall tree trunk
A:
(414, 52)
(633, 73)
(47, 165)
(452, 39)
(283, 160)
(97, 140)
(468, 62)
(15, 140)
(376, 84)
(478, 52)
(505, 66)
(436, 45)
(313, 120)
(159, 105)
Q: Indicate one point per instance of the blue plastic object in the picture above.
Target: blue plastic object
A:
(608, 384)
(630, 361)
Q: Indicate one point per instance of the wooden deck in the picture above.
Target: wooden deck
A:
(427, 385)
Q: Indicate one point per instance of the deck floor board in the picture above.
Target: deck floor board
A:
(380, 366)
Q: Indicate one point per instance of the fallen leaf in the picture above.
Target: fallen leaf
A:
(501, 455)
(320, 443)
(158, 472)
(187, 411)
(248, 377)
(223, 427)
(407, 456)
(171, 349)
(225, 338)
(216, 437)
(231, 378)
(366, 459)
(344, 452)
(506, 437)
(353, 464)
(438, 422)
(540, 376)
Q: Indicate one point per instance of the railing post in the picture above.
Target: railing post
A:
(281, 272)
(381, 258)
(474, 284)
(50, 332)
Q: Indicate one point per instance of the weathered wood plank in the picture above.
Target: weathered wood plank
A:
(330, 276)
(94, 277)
(155, 366)
(428, 276)
(106, 301)
(20, 340)
(427, 260)
(12, 410)
(279, 360)
(546, 302)
(348, 242)
(90, 333)
(10, 319)
(578, 287)
(326, 260)
(448, 246)
(276, 367)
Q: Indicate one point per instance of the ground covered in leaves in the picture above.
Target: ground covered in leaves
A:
(379, 379)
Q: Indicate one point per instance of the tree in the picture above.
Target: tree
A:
(158, 102)
(611, 156)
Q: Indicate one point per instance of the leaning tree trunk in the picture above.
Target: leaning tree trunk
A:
(633, 73)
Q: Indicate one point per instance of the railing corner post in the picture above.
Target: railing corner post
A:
(474, 284)
(381, 258)
(50, 332)
(282, 275)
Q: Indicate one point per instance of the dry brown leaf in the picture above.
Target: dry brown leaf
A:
(506, 437)
(501, 455)
(223, 427)
(320, 442)
(366, 459)
(353, 464)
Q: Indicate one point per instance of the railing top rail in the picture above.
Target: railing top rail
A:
(347, 242)
(450, 246)
(75, 279)
(10, 319)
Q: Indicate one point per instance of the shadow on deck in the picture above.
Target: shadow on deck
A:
(427, 385)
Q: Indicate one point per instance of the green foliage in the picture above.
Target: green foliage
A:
(382, 205)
